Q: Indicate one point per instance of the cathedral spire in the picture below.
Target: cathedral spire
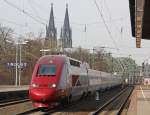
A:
(51, 20)
(66, 32)
(51, 32)
(66, 20)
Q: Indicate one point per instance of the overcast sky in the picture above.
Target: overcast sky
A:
(81, 13)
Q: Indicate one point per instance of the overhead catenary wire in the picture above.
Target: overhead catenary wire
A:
(35, 11)
(39, 20)
(120, 30)
(43, 9)
(25, 12)
(11, 22)
(43, 22)
(109, 13)
(107, 28)
(109, 32)
(74, 23)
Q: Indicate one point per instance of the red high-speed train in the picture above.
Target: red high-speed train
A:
(58, 78)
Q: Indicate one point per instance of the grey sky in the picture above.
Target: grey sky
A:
(81, 12)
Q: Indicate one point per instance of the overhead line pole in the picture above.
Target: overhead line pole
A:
(20, 65)
(16, 65)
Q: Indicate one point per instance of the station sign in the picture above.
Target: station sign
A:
(22, 65)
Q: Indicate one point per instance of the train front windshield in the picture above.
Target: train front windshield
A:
(47, 69)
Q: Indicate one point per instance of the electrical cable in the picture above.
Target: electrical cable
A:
(109, 32)
(11, 22)
(23, 11)
(35, 11)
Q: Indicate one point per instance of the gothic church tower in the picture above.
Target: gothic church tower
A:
(66, 32)
(51, 32)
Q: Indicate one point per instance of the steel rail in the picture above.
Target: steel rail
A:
(29, 111)
(39, 111)
(13, 102)
(48, 111)
(108, 102)
(123, 104)
(62, 109)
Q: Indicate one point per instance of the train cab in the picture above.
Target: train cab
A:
(45, 79)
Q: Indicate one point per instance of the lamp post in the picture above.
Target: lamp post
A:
(16, 65)
(20, 63)
(93, 59)
(16, 82)
(20, 59)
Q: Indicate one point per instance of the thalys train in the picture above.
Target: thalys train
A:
(58, 78)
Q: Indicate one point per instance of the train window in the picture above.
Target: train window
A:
(74, 63)
(47, 69)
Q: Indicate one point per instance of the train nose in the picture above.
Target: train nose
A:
(43, 95)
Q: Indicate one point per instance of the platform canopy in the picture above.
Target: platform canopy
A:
(140, 20)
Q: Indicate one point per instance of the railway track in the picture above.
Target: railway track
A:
(86, 106)
(37, 111)
(13, 102)
(34, 111)
(53, 111)
(14, 107)
(116, 104)
(74, 108)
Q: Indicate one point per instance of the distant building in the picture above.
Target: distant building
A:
(66, 32)
(51, 32)
(146, 70)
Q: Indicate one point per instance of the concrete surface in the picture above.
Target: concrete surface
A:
(7, 88)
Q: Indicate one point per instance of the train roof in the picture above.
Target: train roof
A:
(48, 57)
(63, 57)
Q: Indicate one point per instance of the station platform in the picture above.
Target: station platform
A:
(9, 88)
(140, 101)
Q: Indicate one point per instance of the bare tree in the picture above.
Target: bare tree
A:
(5, 34)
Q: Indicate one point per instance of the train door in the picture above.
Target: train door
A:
(67, 78)
(68, 82)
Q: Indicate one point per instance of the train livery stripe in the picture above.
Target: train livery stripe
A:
(75, 80)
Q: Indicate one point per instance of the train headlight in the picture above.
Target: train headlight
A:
(52, 85)
(34, 85)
